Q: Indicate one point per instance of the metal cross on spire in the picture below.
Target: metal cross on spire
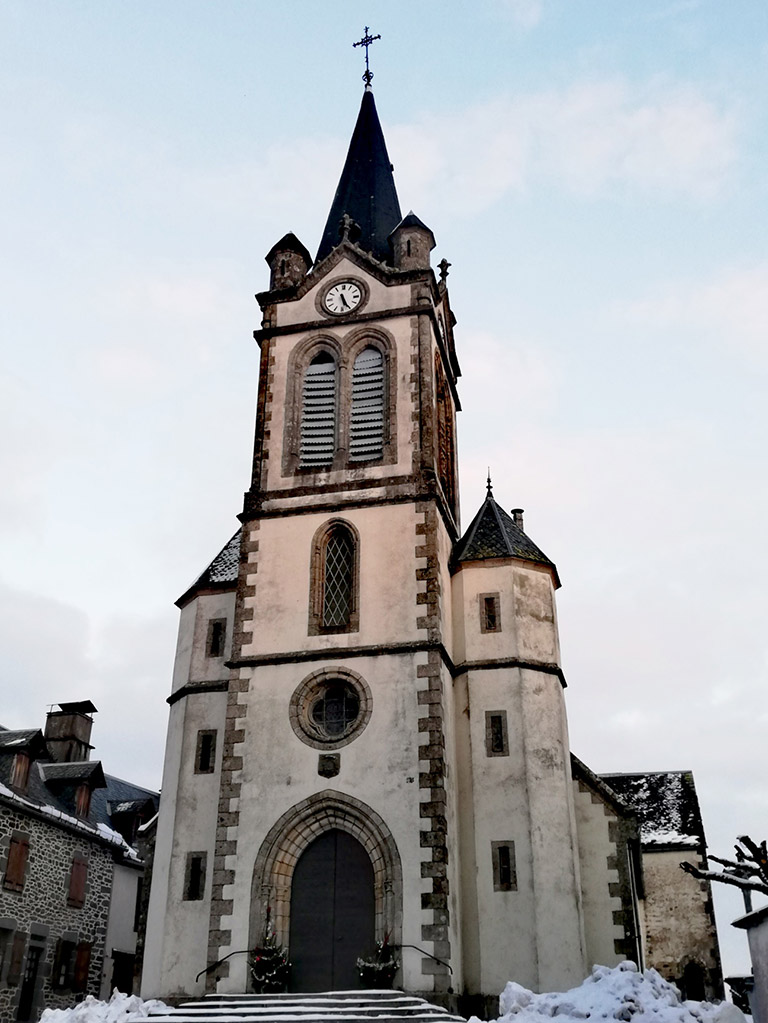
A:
(366, 42)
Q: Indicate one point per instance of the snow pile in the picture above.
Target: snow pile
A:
(622, 993)
(119, 1009)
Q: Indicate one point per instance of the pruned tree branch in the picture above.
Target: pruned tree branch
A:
(749, 871)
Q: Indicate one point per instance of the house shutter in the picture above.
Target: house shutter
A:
(82, 963)
(77, 878)
(366, 423)
(18, 851)
(318, 412)
(16, 964)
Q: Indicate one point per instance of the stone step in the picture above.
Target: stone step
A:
(320, 1007)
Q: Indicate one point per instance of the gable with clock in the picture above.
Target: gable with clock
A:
(391, 760)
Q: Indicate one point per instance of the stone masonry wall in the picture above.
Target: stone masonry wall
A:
(41, 909)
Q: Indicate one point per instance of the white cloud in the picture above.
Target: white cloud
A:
(586, 138)
(525, 13)
(730, 309)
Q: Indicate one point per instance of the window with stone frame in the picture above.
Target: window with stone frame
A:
(340, 404)
(78, 877)
(6, 942)
(334, 579)
(216, 638)
(504, 867)
(446, 442)
(16, 863)
(205, 751)
(496, 737)
(490, 612)
(194, 876)
(63, 971)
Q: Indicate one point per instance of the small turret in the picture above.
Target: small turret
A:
(412, 241)
(288, 262)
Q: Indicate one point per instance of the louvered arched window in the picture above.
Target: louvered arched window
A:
(318, 412)
(366, 418)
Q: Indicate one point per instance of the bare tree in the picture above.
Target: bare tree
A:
(749, 871)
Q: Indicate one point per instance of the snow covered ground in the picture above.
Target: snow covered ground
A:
(119, 1009)
(622, 993)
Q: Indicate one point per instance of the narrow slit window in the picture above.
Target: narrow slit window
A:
(490, 617)
(338, 579)
(318, 412)
(217, 636)
(194, 880)
(205, 754)
(366, 422)
(504, 868)
(496, 741)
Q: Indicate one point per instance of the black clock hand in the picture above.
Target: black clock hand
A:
(344, 301)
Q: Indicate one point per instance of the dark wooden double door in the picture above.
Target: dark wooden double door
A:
(332, 913)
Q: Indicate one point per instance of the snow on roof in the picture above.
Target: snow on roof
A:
(222, 571)
(666, 806)
(98, 830)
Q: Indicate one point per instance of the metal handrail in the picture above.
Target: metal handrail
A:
(424, 952)
(245, 951)
(238, 952)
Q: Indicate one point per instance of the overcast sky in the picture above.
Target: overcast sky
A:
(595, 171)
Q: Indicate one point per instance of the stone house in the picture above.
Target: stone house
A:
(367, 738)
(69, 874)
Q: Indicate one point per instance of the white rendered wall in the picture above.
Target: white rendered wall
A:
(122, 913)
(593, 816)
(535, 933)
(177, 930)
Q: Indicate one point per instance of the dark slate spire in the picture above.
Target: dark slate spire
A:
(366, 189)
(493, 534)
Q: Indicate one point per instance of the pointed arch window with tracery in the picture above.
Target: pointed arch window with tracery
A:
(334, 583)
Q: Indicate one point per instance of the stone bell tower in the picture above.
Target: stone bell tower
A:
(351, 673)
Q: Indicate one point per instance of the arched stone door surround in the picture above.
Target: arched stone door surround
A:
(290, 836)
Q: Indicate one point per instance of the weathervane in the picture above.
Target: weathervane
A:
(366, 42)
(488, 484)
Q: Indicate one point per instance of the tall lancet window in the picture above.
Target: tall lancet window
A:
(338, 578)
(318, 412)
(366, 420)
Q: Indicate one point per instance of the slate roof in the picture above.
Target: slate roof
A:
(22, 739)
(666, 805)
(411, 220)
(72, 772)
(51, 792)
(221, 573)
(366, 189)
(493, 534)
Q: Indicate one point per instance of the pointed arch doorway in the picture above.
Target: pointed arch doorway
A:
(282, 848)
(332, 913)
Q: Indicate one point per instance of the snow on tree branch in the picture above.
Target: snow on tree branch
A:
(749, 871)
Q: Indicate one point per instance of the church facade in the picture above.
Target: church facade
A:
(368, 740)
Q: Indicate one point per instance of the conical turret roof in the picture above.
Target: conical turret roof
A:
(494, 534)
(366, 190)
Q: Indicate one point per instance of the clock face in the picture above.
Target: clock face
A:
(343, 297)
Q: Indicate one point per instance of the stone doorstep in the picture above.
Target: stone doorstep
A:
(335, 1006)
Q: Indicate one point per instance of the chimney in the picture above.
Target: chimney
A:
(517, 518)
(68, 731)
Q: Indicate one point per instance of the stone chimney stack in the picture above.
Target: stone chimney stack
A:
(517, 517)
(68, 731)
